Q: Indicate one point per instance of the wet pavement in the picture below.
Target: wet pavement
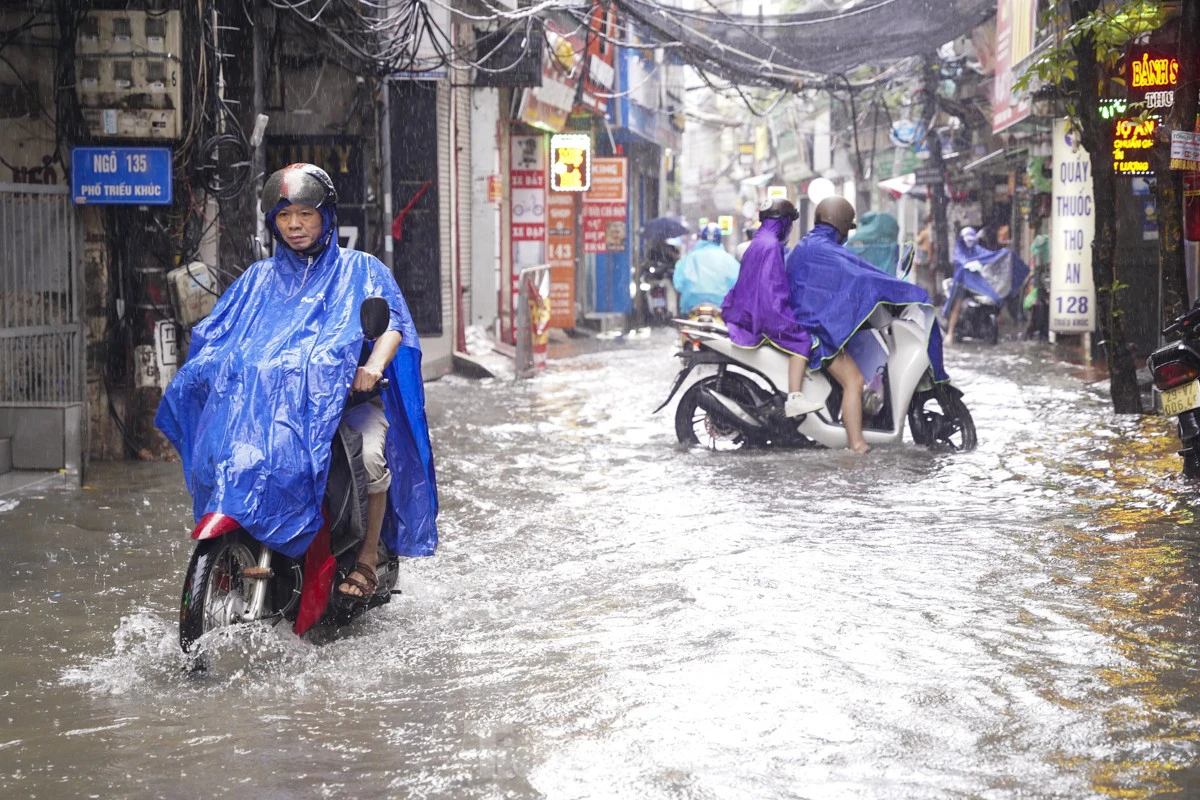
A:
(611, 616)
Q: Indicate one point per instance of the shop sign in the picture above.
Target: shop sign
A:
(1015, 20)
(495, 189)
(610, 182)
(560, 255)
(1185, 150)
(598, 218)
(601, 75)
(527, 209)
(1132, 141)
(570, 162)
(1073, 225)
(776, 191)
(548, 106)
(726, 223)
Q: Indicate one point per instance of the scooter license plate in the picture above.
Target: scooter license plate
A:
(1181, 398)
(658, 302)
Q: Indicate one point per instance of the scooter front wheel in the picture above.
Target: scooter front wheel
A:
(939, 419)
(216, 592)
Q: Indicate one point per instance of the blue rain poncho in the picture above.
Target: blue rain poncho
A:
(995, 274)
(705, 275)
(254, 409)
(833, 292)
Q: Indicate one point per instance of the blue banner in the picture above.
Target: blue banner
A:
(131, 176)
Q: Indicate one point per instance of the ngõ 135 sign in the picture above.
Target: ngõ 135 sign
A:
(131, 176)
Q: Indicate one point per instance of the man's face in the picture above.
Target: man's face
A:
(299, 225)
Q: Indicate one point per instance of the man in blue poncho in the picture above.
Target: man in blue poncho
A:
(254, 409)
(707, 273)
(833, 292)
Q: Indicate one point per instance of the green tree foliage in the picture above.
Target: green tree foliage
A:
(1079, 70)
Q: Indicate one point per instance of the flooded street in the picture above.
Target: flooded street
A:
(611, 616)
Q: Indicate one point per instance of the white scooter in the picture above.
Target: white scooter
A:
(741, 405)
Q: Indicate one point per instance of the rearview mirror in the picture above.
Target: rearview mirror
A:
(908, 254)
(375, 316)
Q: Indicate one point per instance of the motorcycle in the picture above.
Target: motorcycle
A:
(232, 578)
(705, 313)
(979, 317)
(1176, 371)
(741, 405)
(653, 278)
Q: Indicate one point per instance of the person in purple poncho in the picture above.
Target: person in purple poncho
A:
(757, 310)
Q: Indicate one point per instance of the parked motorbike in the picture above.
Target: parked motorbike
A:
(232, 578)
(741, 405)
(1176, 371)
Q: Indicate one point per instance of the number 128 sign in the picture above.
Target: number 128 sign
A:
(1073, 224)
(132, 176)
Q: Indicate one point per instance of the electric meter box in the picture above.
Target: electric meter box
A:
(127, 74)
(193, 290)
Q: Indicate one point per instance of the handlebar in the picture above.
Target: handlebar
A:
(1183, 323)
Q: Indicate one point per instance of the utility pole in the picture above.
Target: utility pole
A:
(930, 74)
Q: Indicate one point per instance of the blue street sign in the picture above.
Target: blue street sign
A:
(130, 176)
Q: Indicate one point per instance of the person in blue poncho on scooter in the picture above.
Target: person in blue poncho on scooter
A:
(707, 273)
(833, 292)
(254, 409)
(988, 278)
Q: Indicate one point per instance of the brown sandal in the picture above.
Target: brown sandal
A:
(367, 587)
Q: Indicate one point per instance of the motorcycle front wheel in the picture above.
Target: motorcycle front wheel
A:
(939, 419)
(695, 426)
(215, 591)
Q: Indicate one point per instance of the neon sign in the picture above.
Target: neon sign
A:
(1153, 71)
(570, 162)
(1132, 141)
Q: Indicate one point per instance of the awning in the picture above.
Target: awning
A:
(900, 185)
(758, 181)
(994, 159)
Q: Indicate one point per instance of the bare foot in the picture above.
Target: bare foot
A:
(862, 448)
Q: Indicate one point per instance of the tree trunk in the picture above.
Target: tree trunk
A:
(941, 234)
(1097, 135)
(1168, 187)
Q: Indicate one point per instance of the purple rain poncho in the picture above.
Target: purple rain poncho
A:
(757, 308)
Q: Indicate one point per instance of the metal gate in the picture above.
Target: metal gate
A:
(41, 326)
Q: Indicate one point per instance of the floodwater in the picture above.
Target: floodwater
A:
(609, 616)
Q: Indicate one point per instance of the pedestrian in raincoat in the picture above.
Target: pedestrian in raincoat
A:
(254, 409)
(756, 310)
(707, 273)
(833, 292)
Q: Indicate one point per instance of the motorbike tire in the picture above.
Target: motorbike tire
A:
(950, 427)
(992, 329)
(214, 591)
(689, 416)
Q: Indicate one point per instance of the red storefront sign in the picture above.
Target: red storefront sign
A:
(560, 254)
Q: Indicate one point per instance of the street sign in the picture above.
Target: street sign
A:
(929, 176)
(1185, 150)
(129, 176)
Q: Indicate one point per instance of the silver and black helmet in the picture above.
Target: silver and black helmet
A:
(304, 184)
